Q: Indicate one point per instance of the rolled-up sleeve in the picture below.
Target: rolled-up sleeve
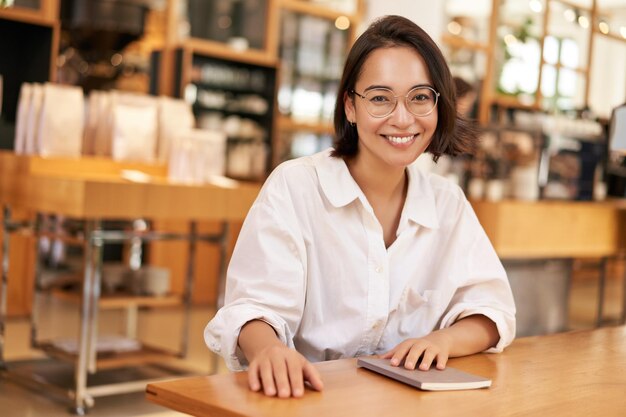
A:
(483, 286)
(265, 278)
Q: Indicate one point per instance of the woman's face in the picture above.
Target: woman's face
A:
(397, 139)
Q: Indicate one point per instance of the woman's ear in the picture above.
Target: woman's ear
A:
(348, 106)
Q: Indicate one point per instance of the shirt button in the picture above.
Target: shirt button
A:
(379, 269)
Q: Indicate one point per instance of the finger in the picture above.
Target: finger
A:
(427, 359)
(400, 353)
(413, 356)
(267, 378)
(312, 376)
(253, 377)
(387, 355)
(281, 378)
(442, 360)
(294, 370)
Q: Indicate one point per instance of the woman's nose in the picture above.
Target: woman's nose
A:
(401, 115)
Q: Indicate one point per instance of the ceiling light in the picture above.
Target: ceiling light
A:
(342, 23)
(454, 28)
(604, 27)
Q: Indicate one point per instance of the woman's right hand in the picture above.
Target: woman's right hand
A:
(273, 366)
(281, 371)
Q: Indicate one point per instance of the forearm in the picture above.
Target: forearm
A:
(255, 336)
(470, 335)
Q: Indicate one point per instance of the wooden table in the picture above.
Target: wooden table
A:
(94, 190)
(568, 374)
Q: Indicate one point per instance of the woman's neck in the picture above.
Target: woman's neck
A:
(377, 180)
(385, 189)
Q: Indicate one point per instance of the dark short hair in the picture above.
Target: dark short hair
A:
(454, 134)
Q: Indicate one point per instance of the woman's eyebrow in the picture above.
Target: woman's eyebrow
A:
(375, 86)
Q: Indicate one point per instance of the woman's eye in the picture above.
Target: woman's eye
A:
(420, 97)
(379, 99)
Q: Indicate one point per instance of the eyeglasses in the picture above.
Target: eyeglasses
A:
(381, 102)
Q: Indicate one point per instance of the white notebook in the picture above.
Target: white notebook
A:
(431, 380)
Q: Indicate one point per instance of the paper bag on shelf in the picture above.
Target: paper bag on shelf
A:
(175, 116)
(32, 120)
(134, 127)
(60, 131)
(21, 120)
(197, 156)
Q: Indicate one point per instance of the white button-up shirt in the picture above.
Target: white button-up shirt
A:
(311, 262)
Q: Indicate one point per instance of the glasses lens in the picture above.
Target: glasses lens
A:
(379, 102)
(421, 101)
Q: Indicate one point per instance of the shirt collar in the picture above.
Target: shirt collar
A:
(337, 184)
(340, 189)
(420, 206)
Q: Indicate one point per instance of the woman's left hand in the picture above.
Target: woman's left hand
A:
(435, 346)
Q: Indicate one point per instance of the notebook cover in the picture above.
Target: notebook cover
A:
(431, 380)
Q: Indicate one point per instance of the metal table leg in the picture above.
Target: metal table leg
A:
(222, 241)
(34, 314)
(3, 284)
(86, 333)
(601, 290)
(193, 237)
(221, 276)
(623, 319)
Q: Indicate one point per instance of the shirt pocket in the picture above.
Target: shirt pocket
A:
(419, 312)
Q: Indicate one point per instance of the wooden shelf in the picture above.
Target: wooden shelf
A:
(317, 10)
(31, 17)
(462, 43)
(115, 301)
(70, 240)
(220, 50)
(513, 102)
(109, 360)
(288, 124)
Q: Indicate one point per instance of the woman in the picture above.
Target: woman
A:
(353, 251)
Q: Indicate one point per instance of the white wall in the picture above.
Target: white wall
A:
(428, 14)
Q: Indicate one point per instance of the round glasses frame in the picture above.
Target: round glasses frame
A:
(406, 101)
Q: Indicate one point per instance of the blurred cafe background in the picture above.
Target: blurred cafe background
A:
(187, 98)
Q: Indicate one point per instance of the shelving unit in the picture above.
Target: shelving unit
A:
(181, 53)
(32, 59)
(546, 17)
(233, 96)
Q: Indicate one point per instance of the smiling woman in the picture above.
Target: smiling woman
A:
(353, 251)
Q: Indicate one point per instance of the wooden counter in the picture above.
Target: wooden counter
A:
(94, 188)
(553, 229)
(567, 374)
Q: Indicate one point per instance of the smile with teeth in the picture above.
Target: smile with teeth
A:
(400, 139)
